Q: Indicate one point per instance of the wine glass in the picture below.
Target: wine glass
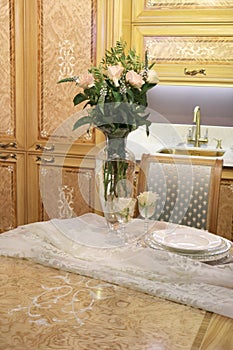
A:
(124, 211)
(146, 206)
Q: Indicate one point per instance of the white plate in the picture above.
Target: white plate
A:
(191, 240)
(209, 256)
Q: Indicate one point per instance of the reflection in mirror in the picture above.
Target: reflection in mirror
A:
(177, 102)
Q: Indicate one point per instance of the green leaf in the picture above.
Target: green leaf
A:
(130, 94)
(65, 80)
(117, 96)
(82, 121)
(151, 65)
(79, 98)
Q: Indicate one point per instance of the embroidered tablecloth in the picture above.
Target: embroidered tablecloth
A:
(82, 245)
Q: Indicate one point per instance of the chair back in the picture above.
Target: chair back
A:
(188, 188)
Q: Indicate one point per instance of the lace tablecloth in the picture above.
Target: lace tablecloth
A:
(82, 245)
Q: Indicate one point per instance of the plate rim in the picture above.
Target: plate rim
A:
(200, 256)
(160, 241)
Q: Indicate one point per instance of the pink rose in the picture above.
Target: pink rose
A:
(134, 79)
(86, 81)
(114, 73)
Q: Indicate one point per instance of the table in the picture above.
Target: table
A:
(46, 308)
(65, 284)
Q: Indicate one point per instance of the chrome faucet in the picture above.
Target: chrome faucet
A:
(197, 139)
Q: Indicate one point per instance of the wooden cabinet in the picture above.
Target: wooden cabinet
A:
(60, 187)
(12, 190)
(12, 112)
(58, 45)
(205, 11)
(190, 54)
(12, 117)
(190, 42)
(225, 215)
(43, 42)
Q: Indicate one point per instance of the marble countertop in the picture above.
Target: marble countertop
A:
(164, 135)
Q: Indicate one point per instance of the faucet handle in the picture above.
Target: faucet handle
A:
(190, 133)
(206, 133)
(219, 143)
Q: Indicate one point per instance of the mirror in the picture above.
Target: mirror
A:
(177, 102)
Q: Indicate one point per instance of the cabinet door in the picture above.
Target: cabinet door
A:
(225, 215)
(188, 53)
(182, 11)
(61, 42)
(60, 187)
(12, 190)
(12, 120)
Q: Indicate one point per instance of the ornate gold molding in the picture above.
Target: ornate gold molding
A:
(187, 4)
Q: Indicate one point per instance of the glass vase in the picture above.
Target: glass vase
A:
(115, 173)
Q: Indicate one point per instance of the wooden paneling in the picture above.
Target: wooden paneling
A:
(225, 215)
(12, 190)
(60, 187)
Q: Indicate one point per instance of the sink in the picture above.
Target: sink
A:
(193, 152)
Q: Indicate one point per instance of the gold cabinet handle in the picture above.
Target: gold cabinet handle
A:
(8, 145)
(8, 156)
(195, 72)
(45, 160)
(45, 148)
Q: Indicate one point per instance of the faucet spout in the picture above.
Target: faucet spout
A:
(195, 138)
(197, 121)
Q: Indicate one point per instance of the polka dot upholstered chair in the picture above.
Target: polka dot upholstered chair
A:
(188, 188)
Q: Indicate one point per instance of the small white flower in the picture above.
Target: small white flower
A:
(152, 77)
(147, 198)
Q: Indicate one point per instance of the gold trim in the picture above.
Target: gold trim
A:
(12, 62)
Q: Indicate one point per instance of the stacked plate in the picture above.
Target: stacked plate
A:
(194, 243)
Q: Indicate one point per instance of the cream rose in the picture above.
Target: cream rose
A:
(134, 79)
(152, 77)
(147, 198)
(86, 81)
(114, 73)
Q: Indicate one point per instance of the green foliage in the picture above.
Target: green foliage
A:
(118, 103)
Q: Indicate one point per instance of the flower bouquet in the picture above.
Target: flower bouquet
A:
(115, 97)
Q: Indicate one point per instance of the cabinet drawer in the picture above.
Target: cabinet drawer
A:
(182, 11)
(188, 54)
